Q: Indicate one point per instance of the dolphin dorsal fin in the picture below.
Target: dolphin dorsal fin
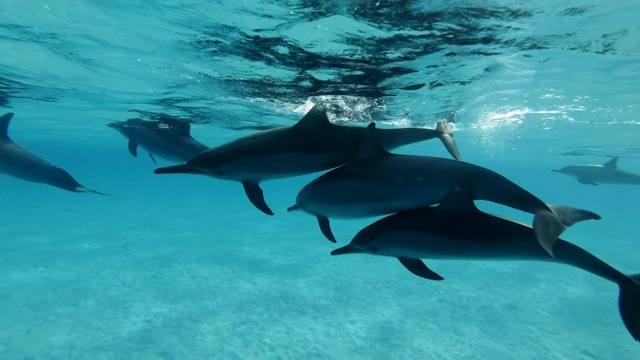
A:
(313, 119)
(181, 127)
(4, 125)
(611, 164)
(370, 146)
(459, 199)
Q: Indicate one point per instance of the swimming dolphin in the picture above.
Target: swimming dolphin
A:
(313, 144)
(20, 163)
(381, 183)
(170, 140)
(457, 230)
(607, 173)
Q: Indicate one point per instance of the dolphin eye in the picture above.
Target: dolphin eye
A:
(373, 250)
(219, 173)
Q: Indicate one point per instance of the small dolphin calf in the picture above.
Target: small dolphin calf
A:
(380, 183)
(18, 162)
(457, 230)
(313, 144)
(607, 173)
(170, 140)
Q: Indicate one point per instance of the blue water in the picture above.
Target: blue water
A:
(183, 267)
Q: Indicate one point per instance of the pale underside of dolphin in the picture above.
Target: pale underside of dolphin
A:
(380, 183)
(314, 144)
(18, 162)
(607, 173)
(170, 140)
(457, 230)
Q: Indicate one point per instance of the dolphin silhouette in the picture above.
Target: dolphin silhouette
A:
(381, 183)
(170, 140)
(313, 144)
(20, 163)
(457, 230)
(607, 173)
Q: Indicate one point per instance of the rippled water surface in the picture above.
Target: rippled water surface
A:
(184, 267)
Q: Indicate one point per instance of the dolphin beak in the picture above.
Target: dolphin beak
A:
(557, 171)
(349, 249)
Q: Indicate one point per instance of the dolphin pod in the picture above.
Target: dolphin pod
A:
(457, 230)
(311, 145)
(381, 183)
(607, 173)
(168, 139)
(18, 162)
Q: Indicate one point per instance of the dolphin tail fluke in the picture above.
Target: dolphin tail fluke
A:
(447, 139)
(569, 215)
(255, 195)
(629, 304)
(547, 227)
(177, 169)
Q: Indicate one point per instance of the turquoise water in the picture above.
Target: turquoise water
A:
(184, 267)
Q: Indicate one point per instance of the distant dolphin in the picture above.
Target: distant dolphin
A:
(607, 173)
(457, 230)
(170, 140)
(313, 144)
(20, 163)
(380, 183)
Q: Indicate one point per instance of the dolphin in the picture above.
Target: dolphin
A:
(380, 183)
(311, 145)
(170, 140)
(607, 173)
(457, 230)
(20, 163)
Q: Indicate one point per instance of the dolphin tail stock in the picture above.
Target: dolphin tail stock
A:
(178, 169)
(446, 136)
(629, 304)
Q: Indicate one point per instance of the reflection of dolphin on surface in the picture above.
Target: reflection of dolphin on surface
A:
(313, 144)
(457, 230)
(380, 183)
(607, 173)
(20, 163)
(170, 140)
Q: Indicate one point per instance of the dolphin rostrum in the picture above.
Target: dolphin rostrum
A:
(457, 230)
(380, 183)
(20, 163)
(170, 140)
(313, 144)
(607, 173)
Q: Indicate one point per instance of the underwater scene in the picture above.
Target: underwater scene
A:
(305, 179)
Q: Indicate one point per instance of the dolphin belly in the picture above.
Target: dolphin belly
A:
(275, 166)
(420, 245)
(352, 199)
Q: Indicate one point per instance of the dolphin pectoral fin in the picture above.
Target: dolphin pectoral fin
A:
(547, 227)
(569, 215)
(447, 139)
(87, 190)
(293, 208)
(255, 195)
(325, 227)
(587, 182)
(417, 267)
(628, 304)
(152, 158)
(133, 147)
